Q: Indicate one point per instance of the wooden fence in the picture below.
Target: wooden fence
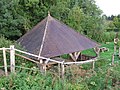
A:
(61, 64)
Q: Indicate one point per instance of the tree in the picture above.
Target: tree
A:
(116, 22)
(19, 16)
(10, 21)
(82, 15)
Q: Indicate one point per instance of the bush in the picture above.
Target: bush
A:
(107, 37)
(18, 60)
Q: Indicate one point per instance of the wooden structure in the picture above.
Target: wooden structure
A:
(5, 61)
(61, 63)
(51, 38)
(116, 43)
(116, 48)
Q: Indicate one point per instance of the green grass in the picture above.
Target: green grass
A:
(104, 57)
(106, 54)
(89, 52)
(109, 53)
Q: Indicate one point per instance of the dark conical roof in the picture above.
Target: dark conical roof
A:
(51, 38)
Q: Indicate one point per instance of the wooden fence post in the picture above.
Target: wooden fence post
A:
(41, 66)
(59, 69)
(63, 69)
(12, 58)
(5, 62)
(44, 66)
(115, 47)
(119, 52)
(112, 59)
(93, 65)
(63, 72)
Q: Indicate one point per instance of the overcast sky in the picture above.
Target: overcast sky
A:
(109, 7)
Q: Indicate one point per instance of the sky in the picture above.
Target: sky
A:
(109, 7)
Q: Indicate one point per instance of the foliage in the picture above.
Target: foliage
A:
(19, 61)
(19, 16)
(116, 22)
(118, 43)
(25, 81)
(4, 42)
(10, 20)
(76, 78)
(112, 23)
(80, 15)
(16, 16)
(108, 36)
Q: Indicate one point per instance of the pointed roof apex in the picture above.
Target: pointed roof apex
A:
(49, 16)
(48, 13)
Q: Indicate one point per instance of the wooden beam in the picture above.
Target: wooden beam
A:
(115, 48)
(82, 62)
(27, 53)
(5, 62)
(93, 65)
(43, 39)
(12, 59)
(25, 58)
(63, 70)
(59, 69)
(74, 56)
(44, 69)
(97, 51)
(113, 59)
(44, 66)
(119, 52)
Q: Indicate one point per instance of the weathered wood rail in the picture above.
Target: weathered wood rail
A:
(61, 63)
(83, 57)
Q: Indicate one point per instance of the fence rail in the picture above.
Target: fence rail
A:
(40, 57)
(82, 62)
(61, 64)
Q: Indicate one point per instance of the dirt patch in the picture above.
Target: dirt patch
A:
(1, 73)
(78, 71)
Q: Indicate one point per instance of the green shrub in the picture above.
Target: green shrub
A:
(18, 60)
(108, 36)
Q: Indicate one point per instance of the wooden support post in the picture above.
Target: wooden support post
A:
(59, 69)
(12, 59)
(98, 54)
(41, 66)
(63, 70)
(113, 59)
(44, 66)
(97, 51)
(41, 61)
(44, 69)
(74, 55)
(5, 62)
(115, 48)
(93, 65)
(119, 52)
